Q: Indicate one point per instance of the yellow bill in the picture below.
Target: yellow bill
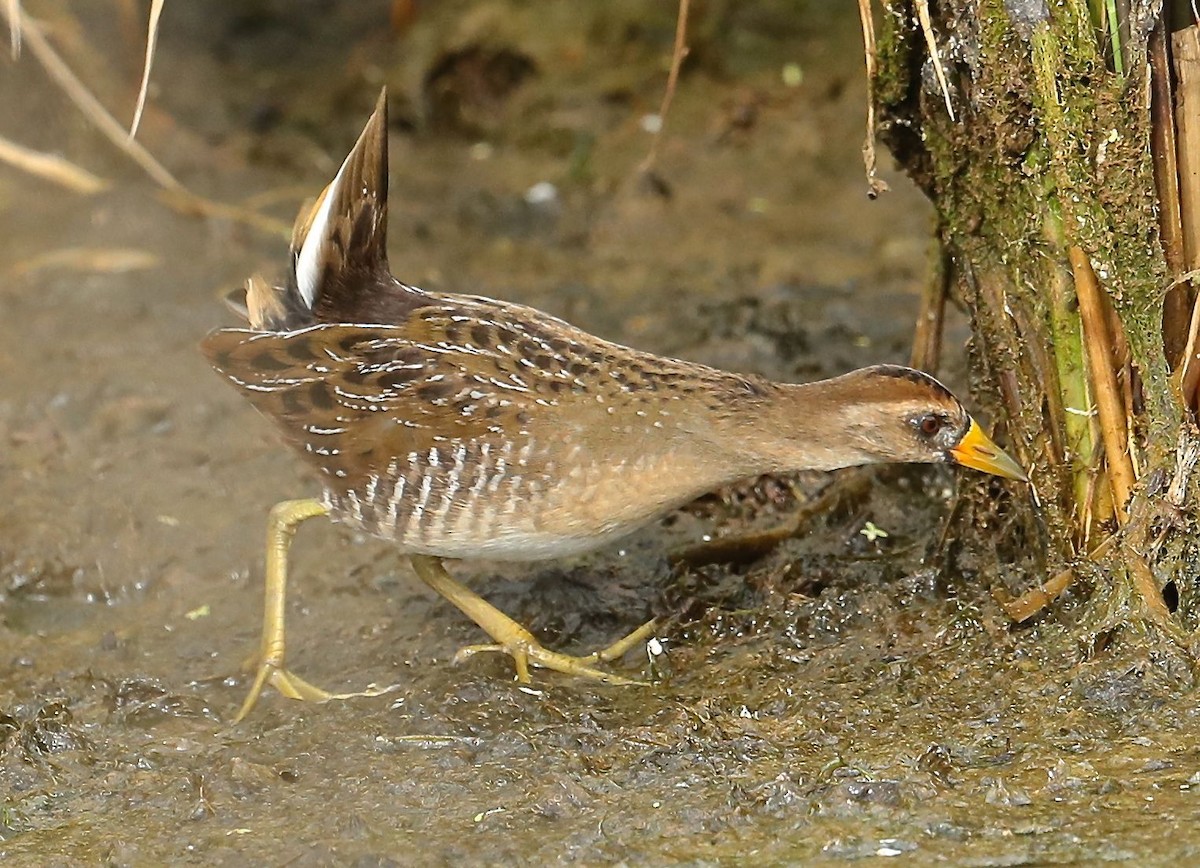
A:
(977, 450)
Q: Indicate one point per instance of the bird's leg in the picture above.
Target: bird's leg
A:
(285, 517)
(618, 649)
(513, 639)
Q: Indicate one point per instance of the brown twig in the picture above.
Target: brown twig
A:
(875, 185)
(1035, 600)
(1138, 561)
(1109, 405)
(679, 52)
(848, 487)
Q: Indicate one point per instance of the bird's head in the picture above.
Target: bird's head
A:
(887, 413)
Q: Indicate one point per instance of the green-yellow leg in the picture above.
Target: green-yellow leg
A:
(285, 517)
(513, 639)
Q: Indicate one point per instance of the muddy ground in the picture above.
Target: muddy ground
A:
(844, 696)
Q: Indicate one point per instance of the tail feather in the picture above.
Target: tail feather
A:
(339, 268)
(340, 244)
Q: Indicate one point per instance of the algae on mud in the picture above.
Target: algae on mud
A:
(838, 698)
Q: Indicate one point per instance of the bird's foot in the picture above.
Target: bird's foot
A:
(526, 651)
(294, 687)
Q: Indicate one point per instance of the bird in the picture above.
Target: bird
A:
(459, 426)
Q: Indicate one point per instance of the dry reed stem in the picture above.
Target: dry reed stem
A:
(1110, 406)
(1185, 49)
(866, 15)
(14, 26)
(1114, 429)
(931, 43)
(1045, 372)
(58, 70)
(88, 260)
(1122, 360)
(1144, 582)
(156, 8)
(678, 53)
(1189, 371)
(189, 203)
(289, 194)
(173, 193)
(1163, 148)
(51, 167)
(1097, 500)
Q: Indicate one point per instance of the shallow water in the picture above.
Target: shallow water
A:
(840, 698)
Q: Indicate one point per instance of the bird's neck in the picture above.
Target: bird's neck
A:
(824, 425)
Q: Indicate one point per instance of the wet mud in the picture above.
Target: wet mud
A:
(849, 692)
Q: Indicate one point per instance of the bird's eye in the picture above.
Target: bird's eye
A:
(931, 424)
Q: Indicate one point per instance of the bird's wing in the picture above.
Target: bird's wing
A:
(360, 395)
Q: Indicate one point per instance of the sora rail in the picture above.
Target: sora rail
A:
(459, 426)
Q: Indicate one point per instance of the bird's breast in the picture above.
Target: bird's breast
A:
(520, 498)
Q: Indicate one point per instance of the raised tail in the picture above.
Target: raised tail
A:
(339, 244)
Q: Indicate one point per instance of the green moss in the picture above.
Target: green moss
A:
(894, 54)
(1051, 151)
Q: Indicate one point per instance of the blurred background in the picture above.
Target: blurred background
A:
(517, 131)
(848, 695)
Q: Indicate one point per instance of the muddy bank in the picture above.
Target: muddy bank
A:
(843, 696)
